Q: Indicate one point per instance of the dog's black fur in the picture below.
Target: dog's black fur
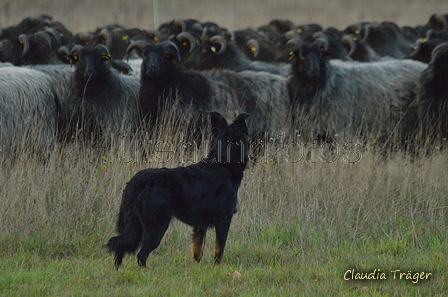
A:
(202, 195)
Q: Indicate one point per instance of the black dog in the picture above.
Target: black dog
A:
(202, 195)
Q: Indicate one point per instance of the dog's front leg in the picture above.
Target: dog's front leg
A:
(198, 242)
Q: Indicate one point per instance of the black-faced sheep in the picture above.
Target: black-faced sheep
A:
(433, 94)
(348, 100)
(218, 53)
(165, 84)
(102, 101)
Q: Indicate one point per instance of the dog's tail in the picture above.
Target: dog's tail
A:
(130, 230)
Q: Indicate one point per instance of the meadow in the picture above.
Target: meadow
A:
(310, 221)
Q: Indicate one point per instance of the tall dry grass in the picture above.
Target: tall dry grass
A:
(352, 193)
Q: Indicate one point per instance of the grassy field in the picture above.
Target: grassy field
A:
(305, 222)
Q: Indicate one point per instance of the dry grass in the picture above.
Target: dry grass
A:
(310, 219)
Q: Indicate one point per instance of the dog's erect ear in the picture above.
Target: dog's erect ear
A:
(241, 119)
(218, 122)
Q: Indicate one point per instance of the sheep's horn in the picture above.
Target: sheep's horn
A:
(204, 33)
(103, 49)
(291, 34)
(197, 27)
(107, 35)
(254, 46)
(56, 35)
(189, 37)
(415, 49)
(221, 41)
(320, 34)
(23, 39)
(45, 36)
(294, 42)
(136, 45)
(171, 45)
(349, 40)
(64, 51)
(230, 35)
(439, 50)
(75, 49)
(366, 33)
(121, 66)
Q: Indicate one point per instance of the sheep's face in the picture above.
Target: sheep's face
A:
(92, 62)
(306, 61)
(160, 60)
(205, 56)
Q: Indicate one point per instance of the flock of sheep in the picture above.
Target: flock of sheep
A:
(371, 82)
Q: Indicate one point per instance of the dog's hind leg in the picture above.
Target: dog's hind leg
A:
(222, 230)
(198, 242)
(152, 235)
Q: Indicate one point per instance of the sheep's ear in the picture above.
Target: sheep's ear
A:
(218, 122)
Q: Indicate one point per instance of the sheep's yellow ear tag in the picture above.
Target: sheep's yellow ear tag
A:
(299, 30)
(125, 38)
(213, 49)
(105, 57)
(75, 57)
(253, 49)
(156, 39)
(291, 55)
(357, 31)
(423, 40)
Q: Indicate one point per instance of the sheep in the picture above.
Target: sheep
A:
(335, 100)
(28, 110)
(164, 84)
(336, 49)
(386, 38)
(433, 94)
(359, 50)
(102, 102)
(218, 53)
(423, 48)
